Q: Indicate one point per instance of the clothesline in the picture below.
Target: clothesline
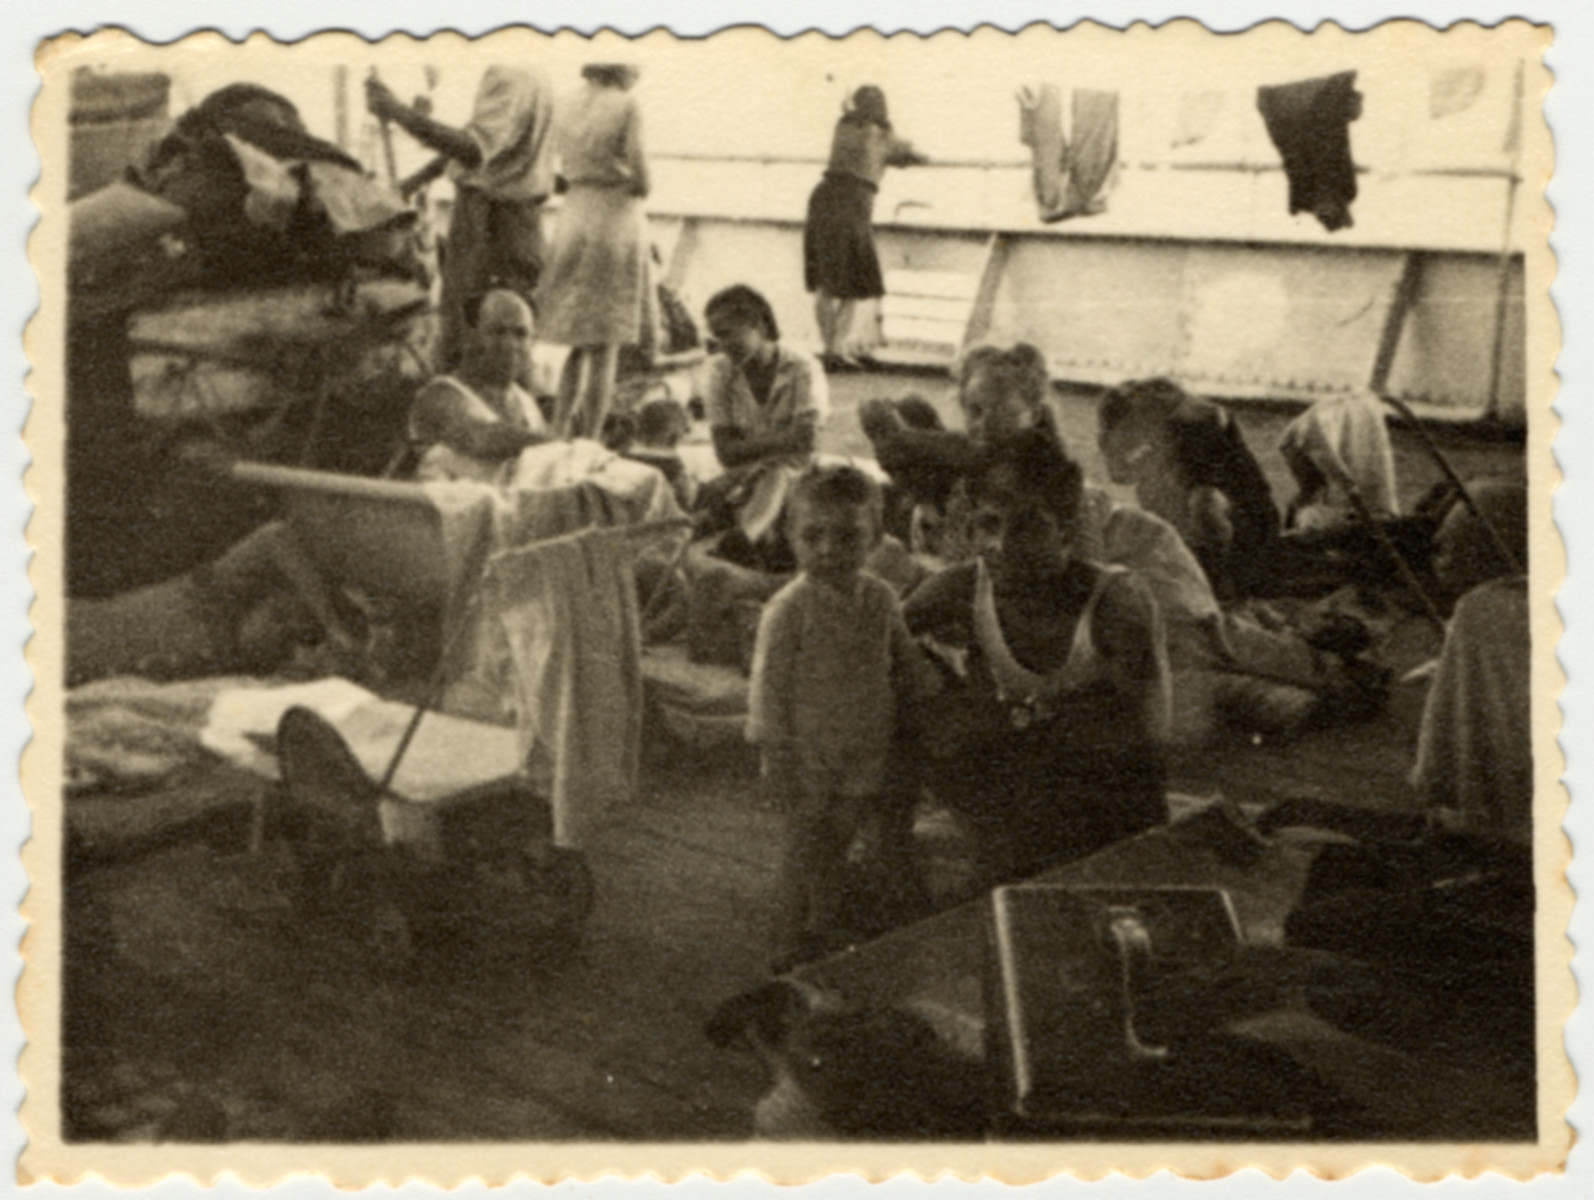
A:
(1505, 173)
(639, 530)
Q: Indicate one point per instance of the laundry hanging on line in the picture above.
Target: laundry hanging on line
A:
(1309, 123)
(1070, 177)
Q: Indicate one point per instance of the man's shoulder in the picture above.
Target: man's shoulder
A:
(792, 597)
(444, 386)
(1487, 604)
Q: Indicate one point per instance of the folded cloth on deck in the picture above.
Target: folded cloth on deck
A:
(131, 732)
(446, 755)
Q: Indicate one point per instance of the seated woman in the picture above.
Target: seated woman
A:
(1050, 745)
(1475, 751)
(469, 424)
(764, 402)
(1189, 464)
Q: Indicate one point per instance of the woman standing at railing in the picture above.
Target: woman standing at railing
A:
(591, 294)
(840, 264)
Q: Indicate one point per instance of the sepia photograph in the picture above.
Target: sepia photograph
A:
(978, 602)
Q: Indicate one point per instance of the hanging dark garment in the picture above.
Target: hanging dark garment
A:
(1308, 122)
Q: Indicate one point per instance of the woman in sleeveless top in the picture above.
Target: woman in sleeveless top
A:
(1051, 746)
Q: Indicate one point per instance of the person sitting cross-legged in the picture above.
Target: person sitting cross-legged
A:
(1049, 743)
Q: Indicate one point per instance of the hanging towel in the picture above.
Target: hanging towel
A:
(1454, 89)
(1309, 124)
(1040, 127)
(568, 608)
(1346, 441)
(1094, 153)
(1198, 117)
(1069, 180)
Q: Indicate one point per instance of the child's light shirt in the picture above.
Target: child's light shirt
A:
(829, 667)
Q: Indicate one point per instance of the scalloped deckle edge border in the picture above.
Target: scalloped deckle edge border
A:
(46, 1157)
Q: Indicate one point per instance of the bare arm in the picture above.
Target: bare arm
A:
(900, 153)
(414, 183)
(1210, 518)
(440, 417)
(771, 725)
(737, 448)
(445, 139)
(1128, 632)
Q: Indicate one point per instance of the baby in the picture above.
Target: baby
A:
(834, 669)
(656, 430)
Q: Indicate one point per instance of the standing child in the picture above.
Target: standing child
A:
(833, 671)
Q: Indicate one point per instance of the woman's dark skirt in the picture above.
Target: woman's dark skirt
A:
(838, 243)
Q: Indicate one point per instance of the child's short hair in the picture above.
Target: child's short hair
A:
(1021, 370)
(1139, 399)
(918, 413)
(662, 422)
(841, 486)
(619, 430)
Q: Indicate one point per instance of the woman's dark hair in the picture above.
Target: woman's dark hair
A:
(1032, 463)
(740, 304)
(867, 107)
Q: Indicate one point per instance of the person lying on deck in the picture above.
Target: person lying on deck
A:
(468, 424)
(1048, 743)
(1189, 464)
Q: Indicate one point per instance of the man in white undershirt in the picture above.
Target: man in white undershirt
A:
(469, 423)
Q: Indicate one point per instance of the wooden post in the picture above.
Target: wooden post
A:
(1503, 283)
(991, 268)
(340, 106)
(1400, 304)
